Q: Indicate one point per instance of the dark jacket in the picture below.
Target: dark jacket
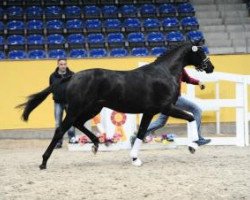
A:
(59, 91)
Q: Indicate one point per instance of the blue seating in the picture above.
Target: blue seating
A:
(93, 25)
(74, 26)
(15, 12)
(78, 53)
(157, 51)
(96, 40)
(36, 54)
(170, 24)
(116, 40)
(148, 10)
(174, 38)
(167, 10)
(34, 12)
(206, 50)
(196, 36)
(185, 9)
(15, 27)
(91, 12)
(53, 12)
(112, 25)
(189, 23)
(151, 24)
(110, 11)
(128, 11)
(17, 54)
(35, 27)
(156, 39)
(16, 42)
(139, 51)
(98, 53)
(2, 55)
(76, 41)
(73, 12)
(35, 42)
(136, 39)
(118, 52)
(132, 24)
(57, 53)
(1, 41)
(55, 41)
(54, 26)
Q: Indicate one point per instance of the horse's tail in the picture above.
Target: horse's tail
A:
(36, 99)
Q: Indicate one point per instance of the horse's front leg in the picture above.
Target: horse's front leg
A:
(146, 119)
(192, 126)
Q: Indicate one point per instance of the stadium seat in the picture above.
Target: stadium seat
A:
(170, 24)
(205, 48)
(98, 53)
(53, 12)
(74, 26)
(77, 53)
(57, 53)
(34, 12)
(92, 12)
(55, 41)
(54, 26)
(157, 51)
(132, 24)
(76, 41)
(93, 25)
(35, 27)
(196, 36)
(1, 28)
(148, 10)
(110, 11)
(17, 54)
(139, 51)
(136, 39)
(112, 25)
(185, 10)
(2, 55)
(73, 12)
(2, 43)
(167, 10)
(15, 27)
(15, 13)
(151, 24)
(189, 23)
(156, 39)
(128, 11)
(37, 54)
(116, 40)
(35, 42)
(118, 52)
(16, 42)
(175, 38)
(96, 40)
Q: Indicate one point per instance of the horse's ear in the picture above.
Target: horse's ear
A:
(194, 48)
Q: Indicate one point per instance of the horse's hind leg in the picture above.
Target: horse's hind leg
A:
(59, 132)
(146, 119)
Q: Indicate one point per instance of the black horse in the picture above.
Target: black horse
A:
(150, 89)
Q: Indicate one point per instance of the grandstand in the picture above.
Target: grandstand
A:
(38, 29)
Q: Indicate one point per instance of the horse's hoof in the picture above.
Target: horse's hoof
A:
(191, 150)
(42, 167)
(137, 162)
(94, 149)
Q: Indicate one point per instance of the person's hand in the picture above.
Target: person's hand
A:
(202, 85)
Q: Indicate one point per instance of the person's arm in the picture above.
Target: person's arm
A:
(188, 79)
(50, 80)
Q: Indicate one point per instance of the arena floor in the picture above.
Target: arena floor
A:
(211, 173)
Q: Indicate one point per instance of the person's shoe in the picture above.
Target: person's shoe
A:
(58, 146)
(203, 141)
(73, 140)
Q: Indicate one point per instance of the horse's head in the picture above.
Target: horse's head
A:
(199, 59)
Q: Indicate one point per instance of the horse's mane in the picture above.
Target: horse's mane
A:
(168, 54)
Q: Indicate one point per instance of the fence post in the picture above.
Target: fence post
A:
(246, 112)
